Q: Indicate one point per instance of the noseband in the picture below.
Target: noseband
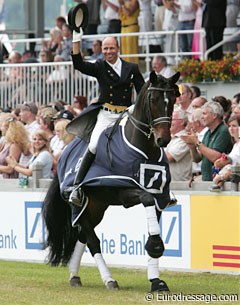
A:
(152, 122)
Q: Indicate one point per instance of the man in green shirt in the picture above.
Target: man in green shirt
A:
(216, 141)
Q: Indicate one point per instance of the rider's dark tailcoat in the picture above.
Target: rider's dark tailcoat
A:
(113, 89)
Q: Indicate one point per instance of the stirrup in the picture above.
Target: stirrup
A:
(77, 196)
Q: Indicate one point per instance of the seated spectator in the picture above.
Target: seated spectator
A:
(64, 136)
(185, 99)
(177, 151)
(96, 51)
(59, 22)
(235, 101)
(56, 143)
(198, 102)
(28, 115)
(3, 117)
(16, 113)
(79, 104)
(59, 73)
(197, 126)
(226, 161)
(15, 144)
(160, 66)
(216, 141)
(196, 92)
(226, 105)
(46, 121)
(45, 56)
(55, 41)
(41, 156)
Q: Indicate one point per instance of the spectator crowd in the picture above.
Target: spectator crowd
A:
(205, 133)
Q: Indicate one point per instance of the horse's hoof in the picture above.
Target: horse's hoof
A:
(75, 282)
(112, 285)
(154, 246)
(159, 285)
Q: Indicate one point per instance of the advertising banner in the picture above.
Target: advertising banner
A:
(122, 233)
(215, 232)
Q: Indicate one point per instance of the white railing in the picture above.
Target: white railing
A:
(30, 82)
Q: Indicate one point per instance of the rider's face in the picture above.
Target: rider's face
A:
(110, 49)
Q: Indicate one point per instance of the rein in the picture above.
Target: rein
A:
(151, 122)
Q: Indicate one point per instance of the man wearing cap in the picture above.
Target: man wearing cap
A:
(28, 113)
(116, 79)
(216, 140)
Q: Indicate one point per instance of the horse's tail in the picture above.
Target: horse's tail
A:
(62, 236)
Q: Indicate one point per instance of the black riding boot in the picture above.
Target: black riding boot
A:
(75, 196)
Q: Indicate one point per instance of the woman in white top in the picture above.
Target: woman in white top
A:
(226, 161)
(40, 155)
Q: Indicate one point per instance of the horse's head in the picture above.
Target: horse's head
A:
(160, 99)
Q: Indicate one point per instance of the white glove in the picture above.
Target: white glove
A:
(77, 36)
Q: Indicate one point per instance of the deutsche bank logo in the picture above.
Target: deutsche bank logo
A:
(171, 230)
(34, 225)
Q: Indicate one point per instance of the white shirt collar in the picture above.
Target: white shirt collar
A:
(117, 66)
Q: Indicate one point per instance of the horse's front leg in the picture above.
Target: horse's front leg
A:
(154, 245)
(93, 244)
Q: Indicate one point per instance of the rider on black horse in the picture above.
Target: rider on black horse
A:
(116, 79)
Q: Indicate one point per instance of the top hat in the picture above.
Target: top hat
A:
(78, 17)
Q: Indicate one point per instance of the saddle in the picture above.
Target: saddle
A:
(125, 166)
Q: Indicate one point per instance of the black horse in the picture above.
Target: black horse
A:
(136, 144)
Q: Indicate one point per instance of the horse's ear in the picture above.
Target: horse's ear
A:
(153, 77)
(175, 77)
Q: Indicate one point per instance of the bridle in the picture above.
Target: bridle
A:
(152, 122)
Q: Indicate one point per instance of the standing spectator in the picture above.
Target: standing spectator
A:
(160, 66)
(15, 143)
(186, 18)
(197, 26)
(129, 13)
(214, 22)
(216, 141)
(145, 19)
(65, 49)
(112, 15)
(94, 17)
(158, 25)
(41, 156)
(28, 115)
(170, 23)
(232, 13)
(177, 151)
